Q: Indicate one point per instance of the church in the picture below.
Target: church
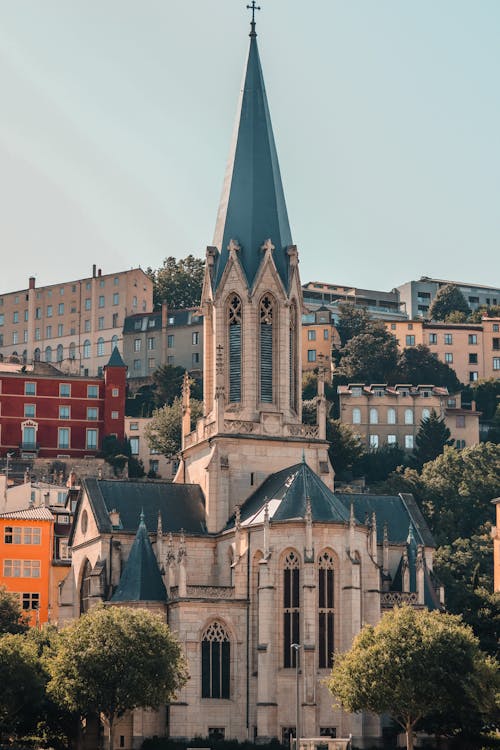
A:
(262, 570)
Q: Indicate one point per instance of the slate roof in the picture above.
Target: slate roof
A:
(252, 206)
(397, 511)
(286, 492)
(182, 506)
(115, 359)
(29, 514)
(141, 580)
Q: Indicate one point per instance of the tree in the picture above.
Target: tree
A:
(449, 299)
(178, 282)
(431, 438)
(351, 322)
(21, 684)
(115, 659)
(12, 618)
(345, 448)
(370, 357)
(415, 664)
(484, 311)
(163, 433)
(376, 465)
(417, 365)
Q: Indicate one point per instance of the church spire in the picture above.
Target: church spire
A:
(252, 211)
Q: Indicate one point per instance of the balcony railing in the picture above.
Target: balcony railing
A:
(29, 447)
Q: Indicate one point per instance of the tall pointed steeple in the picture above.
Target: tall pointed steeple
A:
(252, 209)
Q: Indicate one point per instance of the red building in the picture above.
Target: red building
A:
(47, 414)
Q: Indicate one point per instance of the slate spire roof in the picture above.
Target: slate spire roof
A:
(116, 359)
(141, 580)
(252, 207)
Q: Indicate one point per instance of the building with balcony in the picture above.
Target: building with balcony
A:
(49, 414)
(380, 305)
(73, 324)
(417, 296)
(392, 415)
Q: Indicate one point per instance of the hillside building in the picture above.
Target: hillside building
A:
(417, 296)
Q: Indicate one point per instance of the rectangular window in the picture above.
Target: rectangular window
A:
(496, 344)
(63, 438)
(409, 442)
(88, 303)
(48, 332)
(473, 376)
(311, 335)
(30, 601)
(31, 535)
(30, 411)
(114, 415)
(134, 446)
(115, 392)
(391, 440)
(137, 364)
(448, 358)
(460, 420)
(134, 426)
(37, 334)
(170, 340)
(410, 340)
(2, 319)
(25, 336)
(170, 359)
(49, 311)
(151, 363)
(116, 298)
(196, 358)
(151, 344)
(393, 326)
(448, 338)
(38, 313)
(373, 441)
(326, 334)
(26, 316)
(60, 308)
(64, 412)
(472, 338)
(30, 389)
(100, 323)
(12, 568)
(311, 355)
(60, 329)
(15, 337)
(496, 363)
(114, 321)
(195, 338)
(137, 345)
(101, 300)
(86, 326)
(92, 413)
(91, 441)
(65, 390)
(473, 359)
(92, 391)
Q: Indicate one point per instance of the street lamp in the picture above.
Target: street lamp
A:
(9, 456)
(296, 647)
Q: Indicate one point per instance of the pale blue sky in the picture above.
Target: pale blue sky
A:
(116, 118)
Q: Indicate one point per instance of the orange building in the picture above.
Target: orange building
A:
(26, 552)
(318, 336)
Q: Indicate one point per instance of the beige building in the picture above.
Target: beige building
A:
(319, 335)
(74, 324)
(471, 349)
(154, 463)
(392, 415)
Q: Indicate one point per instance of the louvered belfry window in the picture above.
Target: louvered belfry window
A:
(293, 356)
(266, 349)
(234, 321)
(326, 610)
(291, 605)
(215, 662)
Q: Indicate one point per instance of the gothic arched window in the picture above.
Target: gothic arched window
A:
(326, 610)
(85, 588)
(215, 662)
(266, 349)
(293, 356)
(291, 608)
(234, 316)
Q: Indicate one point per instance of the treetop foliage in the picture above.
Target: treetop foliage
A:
(12, 618)
(164, 432)
(447, 301)
(178, 283)
(431, 439)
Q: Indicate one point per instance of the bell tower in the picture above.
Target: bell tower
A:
(252, 307)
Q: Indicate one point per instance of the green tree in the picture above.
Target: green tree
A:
(416, 664)
(352, 321)
(178, 282)
(21, 685)
(115, 659)
(345, 448)
(417, 365)
(167, 384)
(431, 438)
(486, 311)
(449, 299)
(486, 394)
(376, 465)
(163, 433)
(12, 618)
(370, 357)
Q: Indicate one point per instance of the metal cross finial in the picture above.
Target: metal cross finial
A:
(253, 7)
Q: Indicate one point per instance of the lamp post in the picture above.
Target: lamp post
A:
(9, 456)
(296, 647)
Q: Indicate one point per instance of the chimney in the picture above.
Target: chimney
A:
(32, 282)
(94, 269)
(99, 272)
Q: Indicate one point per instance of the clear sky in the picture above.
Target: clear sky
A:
(116, 119)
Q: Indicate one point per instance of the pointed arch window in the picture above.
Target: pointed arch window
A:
(266, 349)
(234, 319)
(215, 662)
(326, 610)
(291, 608)
(293, 356)
(85, 588)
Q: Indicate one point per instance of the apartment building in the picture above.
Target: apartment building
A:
(471, 349)
(392, 415)
(164, 337)
(318, 336)
(417, 296)
(74, 324)
(46, 413)
(155, 464)
(379, 304)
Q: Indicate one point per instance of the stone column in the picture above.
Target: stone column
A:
(268, 657)
(308, 655)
